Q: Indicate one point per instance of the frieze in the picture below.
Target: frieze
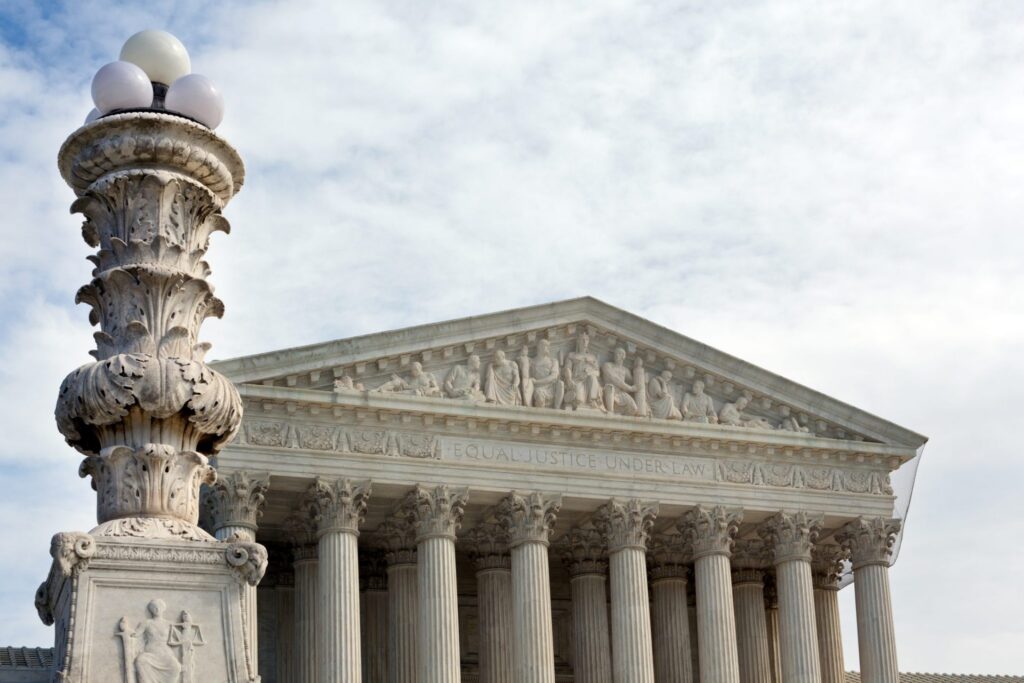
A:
(322, 437)
(783, 475)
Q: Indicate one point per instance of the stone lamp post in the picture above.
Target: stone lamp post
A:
(147, 592)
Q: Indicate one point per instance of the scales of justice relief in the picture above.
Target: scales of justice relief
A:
(158, 650)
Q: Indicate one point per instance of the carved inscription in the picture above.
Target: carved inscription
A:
(540, 456)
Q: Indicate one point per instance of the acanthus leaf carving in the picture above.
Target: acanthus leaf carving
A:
(711, 531)
(584, 550)
(626, 523)
(528, 517)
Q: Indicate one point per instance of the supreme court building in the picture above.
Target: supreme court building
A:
(565, 492)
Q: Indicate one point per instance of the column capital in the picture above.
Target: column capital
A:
(371, 570)
(338, 505)
(747, 576)
(791, 535)
(710, 530)
(771, 591)
(827, 565)
(869, 540)
(396, 536)
(584, 552)
(751, 553)
(300, 527)
(626, 523)
(529, 517)
(669, 556)
(237, 498)
(438, 511)
(488, 545)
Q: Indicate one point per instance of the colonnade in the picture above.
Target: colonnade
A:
(766, 609)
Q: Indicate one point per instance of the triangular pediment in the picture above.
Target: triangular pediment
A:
(415, 362)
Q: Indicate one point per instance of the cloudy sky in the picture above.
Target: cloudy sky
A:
(831, 190)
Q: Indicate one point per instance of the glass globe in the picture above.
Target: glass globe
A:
(121, 85)
(92, 115)
(198, 98)
(159, 54)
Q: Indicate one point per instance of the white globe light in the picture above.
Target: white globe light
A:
(159, 54)
(197, 97)
(121, 85)
(92, 115)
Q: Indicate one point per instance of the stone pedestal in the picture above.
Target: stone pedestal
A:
(529, 519)
(627, 525)
(585, 556)
(125, 608)
(438, 514)
(711, 532)
(869, 542)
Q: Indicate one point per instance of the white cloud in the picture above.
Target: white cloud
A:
(830, 191)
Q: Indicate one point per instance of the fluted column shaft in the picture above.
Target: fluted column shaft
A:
(670, 616)
(438, 513)
(798, 635)
(592, 639)
(830, 639)
(751, 627)
(340, 658)
(285, 649)
(307, 600)
(375, 634)
(869, 542)
(403, 606)
(627, 525)
(533, 639)
(494, 596)
(711, 532)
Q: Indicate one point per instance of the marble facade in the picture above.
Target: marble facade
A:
(532, 524)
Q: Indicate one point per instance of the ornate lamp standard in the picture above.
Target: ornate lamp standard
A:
(151, 178)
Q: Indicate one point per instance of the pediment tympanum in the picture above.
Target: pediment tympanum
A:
(580, 361)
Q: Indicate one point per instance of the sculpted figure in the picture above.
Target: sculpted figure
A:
(503, 381)
(732, 414)
(617, 387)
(698, 406)
(643, 408)
(582, 376)
(345, 385)
(791, 424)
(188, 636)
(420, 383)
(663, 403)
(155, 661)
(463, 381)
(542, 386)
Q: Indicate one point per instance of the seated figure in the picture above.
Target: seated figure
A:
(732, 414)
(617, 388)
(698, 406)
(542, 385)
(420, 383)
(463, 381)
(502, 386)
(663, 403)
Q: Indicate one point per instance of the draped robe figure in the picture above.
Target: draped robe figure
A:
(188, 636)
(542, 383)
(617, 387)
(663, 403)
(420, 383)
(583, 377)
(698, 406)
(732, 414)
(155, 661)
(503, 381)
(463, 381)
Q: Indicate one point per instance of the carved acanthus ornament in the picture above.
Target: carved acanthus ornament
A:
(338, 505)
(670, 556)
(584, 551)
(372, 570)
(489, 546)
(148, 412)
(710, 530)
(396, 536)
(827, 565)
(529, 517)
(869, 540)
(791, 535)
(751, 553)
(300, 527)
(237, 499)
(438, 511)
(626, 523)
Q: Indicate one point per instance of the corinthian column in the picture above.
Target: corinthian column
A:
(627, 525)
(791, 536)
(488, 546)
(771, 617)
(869, 542)
(301, 529)
(748, 558)
(285, 649)
(339, 507)
(529, 519)
(236, 505)
(438, 515)
(827, 566)
(373, 607)
(584, 553)
(397, 536)
(669, 557)
(711, 532)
